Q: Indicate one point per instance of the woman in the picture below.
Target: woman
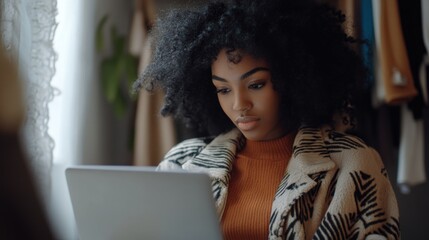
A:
(268, 81)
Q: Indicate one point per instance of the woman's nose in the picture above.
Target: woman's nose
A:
(241, 103)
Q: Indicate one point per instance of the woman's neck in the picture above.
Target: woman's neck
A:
(276, 149)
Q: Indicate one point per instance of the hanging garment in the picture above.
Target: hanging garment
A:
(367, 33)
(425, 23)
(379, 91)
(411, 165)
(423, 76)
(396, 75)
(425, 63)
(411, 22)
(411, 169)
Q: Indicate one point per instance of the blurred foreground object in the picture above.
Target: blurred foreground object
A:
(21, 212)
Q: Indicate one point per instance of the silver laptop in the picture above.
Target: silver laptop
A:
(126, 202)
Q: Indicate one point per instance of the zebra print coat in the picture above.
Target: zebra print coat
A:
(334, 187)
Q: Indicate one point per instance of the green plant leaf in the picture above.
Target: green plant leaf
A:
(118, 42)
(118, 71)
(120, 104)
(99, 39)
(110, 78)
(121, 64)
(113, 33)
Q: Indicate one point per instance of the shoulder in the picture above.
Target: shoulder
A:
(202, 149)
(347, 151)
(184, 151)
(352, 153)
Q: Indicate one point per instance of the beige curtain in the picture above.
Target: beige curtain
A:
(154, 135)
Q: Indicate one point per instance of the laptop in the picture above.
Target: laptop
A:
(128, 202)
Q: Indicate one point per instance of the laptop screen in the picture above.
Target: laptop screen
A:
(127, 202)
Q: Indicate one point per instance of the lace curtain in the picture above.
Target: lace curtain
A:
(27, 30)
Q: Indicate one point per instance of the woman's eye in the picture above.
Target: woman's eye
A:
(256, 85)
(223, 91)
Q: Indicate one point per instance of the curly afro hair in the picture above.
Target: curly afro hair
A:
(313, 65)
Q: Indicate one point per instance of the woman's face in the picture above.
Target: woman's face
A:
(246, 95)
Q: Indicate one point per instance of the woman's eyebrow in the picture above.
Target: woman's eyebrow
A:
(214, 77)
(244, 76)
(253, 71)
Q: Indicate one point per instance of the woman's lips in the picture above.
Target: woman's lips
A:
(247, 123)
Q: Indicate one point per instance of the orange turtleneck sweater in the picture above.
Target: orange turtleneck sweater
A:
(257, 172)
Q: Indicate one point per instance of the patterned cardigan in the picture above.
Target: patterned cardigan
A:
(334, 187)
